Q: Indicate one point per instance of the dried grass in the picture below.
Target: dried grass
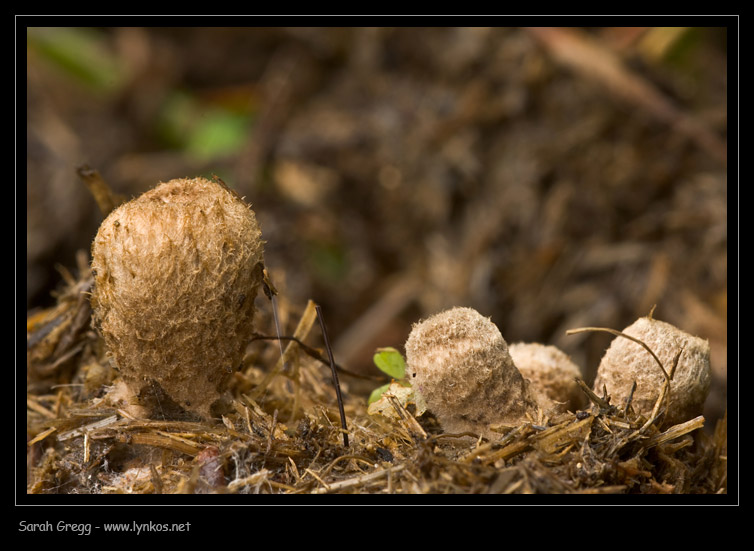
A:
(283, 434)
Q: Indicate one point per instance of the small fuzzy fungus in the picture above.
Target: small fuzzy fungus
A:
(176, 273)
(626, 361)
(551, 373)
(459, 363)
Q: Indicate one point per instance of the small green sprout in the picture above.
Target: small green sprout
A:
(389, 361)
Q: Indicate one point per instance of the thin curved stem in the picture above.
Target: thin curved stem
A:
(620, 334)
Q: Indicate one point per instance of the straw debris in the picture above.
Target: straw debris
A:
(287, 439)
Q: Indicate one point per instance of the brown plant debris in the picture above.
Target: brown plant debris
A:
(283, 434)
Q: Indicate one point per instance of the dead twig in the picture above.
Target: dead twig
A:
(621, 334)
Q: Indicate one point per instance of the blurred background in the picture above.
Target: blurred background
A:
(550, 178)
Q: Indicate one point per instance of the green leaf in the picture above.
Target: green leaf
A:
(402, 392)
(390, 361)
(377, 393)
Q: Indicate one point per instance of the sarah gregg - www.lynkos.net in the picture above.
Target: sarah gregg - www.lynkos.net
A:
(85, 529)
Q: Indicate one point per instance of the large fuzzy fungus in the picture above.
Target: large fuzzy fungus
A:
(176, 273)
(458, 362)
(626, 361)
(551, 373)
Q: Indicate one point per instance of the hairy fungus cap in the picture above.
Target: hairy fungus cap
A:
(551, 373)
(626, 361)
(459, 363)
(176, 273)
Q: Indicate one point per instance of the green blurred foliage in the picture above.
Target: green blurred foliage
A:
(200, 128)
(83, 54)
(328, 260)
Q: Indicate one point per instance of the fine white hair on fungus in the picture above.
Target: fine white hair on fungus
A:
(176, 271)
(626, 361)
(458, 362)
(551, 373)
